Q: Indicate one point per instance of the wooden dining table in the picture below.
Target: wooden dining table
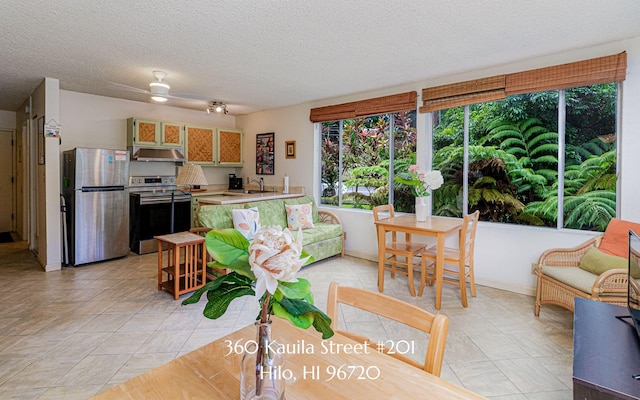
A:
(438, 227)
(333, 369)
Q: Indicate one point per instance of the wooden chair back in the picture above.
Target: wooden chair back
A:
(468, 236)
(436, 326)
(386, 208)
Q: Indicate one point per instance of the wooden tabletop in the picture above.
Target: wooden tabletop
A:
(180, 238)
(332, 369)
(408, 222)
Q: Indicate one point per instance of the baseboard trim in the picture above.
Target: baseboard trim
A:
(510, 287)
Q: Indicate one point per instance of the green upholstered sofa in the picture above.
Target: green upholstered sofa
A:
(324, 240)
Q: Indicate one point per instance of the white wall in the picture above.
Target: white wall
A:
(504, 253)
(8, 120)
(100, 122)
(289, 123)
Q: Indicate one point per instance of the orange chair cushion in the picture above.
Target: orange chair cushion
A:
(616, 237)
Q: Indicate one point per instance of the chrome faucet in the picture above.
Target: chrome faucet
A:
(259, 182)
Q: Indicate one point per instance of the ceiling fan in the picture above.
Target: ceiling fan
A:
(159, 90)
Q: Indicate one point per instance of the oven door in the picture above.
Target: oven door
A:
(151, 216)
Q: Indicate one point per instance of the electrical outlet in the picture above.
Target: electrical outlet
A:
(533, 268)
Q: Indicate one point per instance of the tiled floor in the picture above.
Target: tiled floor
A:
(72, 333)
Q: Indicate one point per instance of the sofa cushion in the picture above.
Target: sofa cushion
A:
(572, 276)
(246, 221)
(216, 216)
(324, 249)
(272, 212)
(305, 200)
(299, 216)
(597, 262)
(616, 237)
(321, 231)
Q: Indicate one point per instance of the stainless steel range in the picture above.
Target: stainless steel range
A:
(152, 201)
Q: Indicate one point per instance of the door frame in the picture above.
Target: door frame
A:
(12, 152)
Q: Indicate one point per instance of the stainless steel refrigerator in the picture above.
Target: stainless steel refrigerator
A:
(96, 204)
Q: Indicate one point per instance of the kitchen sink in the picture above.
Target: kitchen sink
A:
(232, 193)
(255, 191)
(240, 192)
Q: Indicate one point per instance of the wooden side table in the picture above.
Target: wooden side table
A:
(185, 266)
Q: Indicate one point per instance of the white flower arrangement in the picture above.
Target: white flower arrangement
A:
(419, 181)
(266, 268)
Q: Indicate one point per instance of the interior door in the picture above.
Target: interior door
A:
(6, 184)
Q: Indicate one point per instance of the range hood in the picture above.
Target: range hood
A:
(156, 154)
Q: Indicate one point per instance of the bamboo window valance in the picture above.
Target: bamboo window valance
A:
(364, 108)
(582, 73)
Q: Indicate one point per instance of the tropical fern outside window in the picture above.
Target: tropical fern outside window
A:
(542, 158)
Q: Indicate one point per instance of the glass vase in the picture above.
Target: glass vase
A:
(422, 208)
(261, 377)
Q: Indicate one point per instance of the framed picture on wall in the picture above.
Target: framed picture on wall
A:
(265, 143)
(41, 147)
(290, 148)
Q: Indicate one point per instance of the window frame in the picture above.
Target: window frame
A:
(390, 132)
(429, 118)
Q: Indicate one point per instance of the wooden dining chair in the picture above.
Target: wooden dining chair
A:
(399, 255)
(458, 263)
(435, 326)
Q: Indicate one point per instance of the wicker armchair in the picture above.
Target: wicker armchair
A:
(560, 279)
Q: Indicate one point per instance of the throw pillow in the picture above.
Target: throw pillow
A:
(246, 221)
(597, 262)
(299, 216)
(616, 237)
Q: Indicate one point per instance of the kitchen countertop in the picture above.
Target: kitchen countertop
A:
(235, 197)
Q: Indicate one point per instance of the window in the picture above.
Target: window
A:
(543, 159)
(535, 147)
(360, 156)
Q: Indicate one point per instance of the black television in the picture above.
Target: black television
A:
(633, 288)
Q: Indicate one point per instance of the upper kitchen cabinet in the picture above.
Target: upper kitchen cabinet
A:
(143, 132)
(148, 132)
(200, 142)
(171, 134)
(230, 147)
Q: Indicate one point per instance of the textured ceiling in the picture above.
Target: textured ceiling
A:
(258, 55)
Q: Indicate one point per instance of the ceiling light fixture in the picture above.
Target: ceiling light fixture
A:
(159, 90)
(217, 106)
(159, 99)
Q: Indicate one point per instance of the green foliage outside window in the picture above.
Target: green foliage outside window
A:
(363, 181)
(522, 133)
(513, 159)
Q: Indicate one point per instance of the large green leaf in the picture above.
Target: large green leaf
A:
(322, 324)
(301, 321)
(226, 245)
(297, 308)
(241, 266)
(295, 290)
(220, 299)
(213, 285)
